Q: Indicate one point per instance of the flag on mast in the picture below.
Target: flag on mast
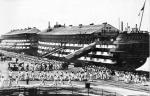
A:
(142, 9)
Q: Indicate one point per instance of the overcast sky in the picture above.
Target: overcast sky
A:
(17, 14)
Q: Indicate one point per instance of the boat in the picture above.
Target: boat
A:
(132, 48)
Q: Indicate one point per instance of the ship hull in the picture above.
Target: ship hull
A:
(132, 50)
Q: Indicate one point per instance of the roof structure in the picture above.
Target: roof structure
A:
(23, 31)
(64, 30)
(73, 30)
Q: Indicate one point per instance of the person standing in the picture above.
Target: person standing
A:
(27, 78)
(2, 81)
(61, 79)
(17, 80)
(55, 80)
(69, 80)
(16, 60)
(10, 79)
(42, 80)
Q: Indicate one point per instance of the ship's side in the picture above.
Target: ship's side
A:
(132, 50)
(101, 45)
(84, 44)
(20, 41)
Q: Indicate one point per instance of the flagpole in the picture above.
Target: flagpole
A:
(142, 16)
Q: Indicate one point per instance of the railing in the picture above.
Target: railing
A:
(52, 52)
(81, 50)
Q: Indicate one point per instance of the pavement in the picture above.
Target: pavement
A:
(98, 86)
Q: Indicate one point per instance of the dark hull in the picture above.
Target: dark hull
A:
(132, 50)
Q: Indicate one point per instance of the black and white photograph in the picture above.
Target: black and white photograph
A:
(74, 47)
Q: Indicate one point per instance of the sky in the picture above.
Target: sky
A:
(20, 14)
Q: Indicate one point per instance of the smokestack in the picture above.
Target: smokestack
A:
(127, 26)
(121, 25)
(136, 27)
(64, 25)
(56, 23)
(49, 26)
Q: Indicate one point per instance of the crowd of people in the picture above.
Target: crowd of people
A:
(52, 72)
(32, 60)
(124, 76)
(47, 75)
(4, 58)
(13, 66)
(96, 72)
(90, 73)
(130, 77)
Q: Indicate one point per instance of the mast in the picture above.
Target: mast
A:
(119, 23)
(142, 15)
(49, 26)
